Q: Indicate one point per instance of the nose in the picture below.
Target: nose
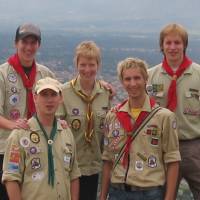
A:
(132, 82)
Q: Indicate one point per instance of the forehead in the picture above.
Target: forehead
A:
(173, 37)
(89, 59)
(136, 71)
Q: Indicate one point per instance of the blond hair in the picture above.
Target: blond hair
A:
(88, 49)
(174, 29)
(132, 63)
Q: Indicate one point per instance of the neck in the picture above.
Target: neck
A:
(87, 86)
(46, 120)
(137, 102)
(25, 63)
(174, 64)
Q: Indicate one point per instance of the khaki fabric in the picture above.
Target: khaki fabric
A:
(26, 161)
(74, 111)
(154, 147)
(13, 96)
(188, 97)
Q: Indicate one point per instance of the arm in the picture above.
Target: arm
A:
(10, 125)
(13, 190)
(74, 188)
(109, 87)
(106, 174)
(172, 175)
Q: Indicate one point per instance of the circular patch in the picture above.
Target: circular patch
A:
(75, 111)
(25, 142)
(14, 114)
(76, 124)
(13, 89)
(35, 138)
(149, 89)
(33, 150)
(14, 99)
(12, 77)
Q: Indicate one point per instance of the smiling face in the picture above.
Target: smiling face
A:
(87, 68)
(27, 49)
(173, 48)
(134, 83)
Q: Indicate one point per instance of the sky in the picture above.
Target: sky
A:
(122, 15)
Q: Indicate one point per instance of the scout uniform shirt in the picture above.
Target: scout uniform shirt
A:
(188, 97)
(154, 146)
(74, 110)
(26, 161)
(13, 96)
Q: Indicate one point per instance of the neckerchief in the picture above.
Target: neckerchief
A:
(172, 95)
(126, 121)
(89, 113)
(50, 141)
(28, 81)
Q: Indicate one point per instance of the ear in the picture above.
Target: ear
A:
(35, 98)
(61, 99)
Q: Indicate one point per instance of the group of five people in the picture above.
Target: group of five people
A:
(138, 140)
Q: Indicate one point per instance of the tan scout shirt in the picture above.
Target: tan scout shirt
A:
(188, 97)
(13, 96)
(154, 146)
(74, 110)
(26, 161)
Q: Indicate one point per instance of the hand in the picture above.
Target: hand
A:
(63, 123)
(109, 87)
(21, 123)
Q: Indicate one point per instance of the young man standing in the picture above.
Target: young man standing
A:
(141, 152)
(175, 85)
(40, 162)
(17, 78)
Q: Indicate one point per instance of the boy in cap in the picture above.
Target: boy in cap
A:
(17, 78)
(40, 162)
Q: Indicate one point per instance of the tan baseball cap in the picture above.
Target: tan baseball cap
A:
(48, 83)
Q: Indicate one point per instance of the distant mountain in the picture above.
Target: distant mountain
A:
(101, 15)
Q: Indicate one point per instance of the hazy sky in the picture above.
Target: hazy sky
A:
(55, 12)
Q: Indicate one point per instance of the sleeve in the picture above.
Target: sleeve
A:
(75, 172)
(170, 139)
(13, 164)
(2, 93)
(107, 153)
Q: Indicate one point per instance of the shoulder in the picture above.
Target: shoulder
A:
(154, 69)
(44, 69)
(66, 85)
(195, 67)
(165, 113)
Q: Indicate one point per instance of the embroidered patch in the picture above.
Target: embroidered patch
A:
(35, 163)
(76, 124)
(139, 165)
(24, 141)
(189, 111)
(67, 158)
(105, 141)
(143, 157)
(174, 124)
(14, 156)
(13, 89)
(114, 142)
(33, 150)
(34, 137)
(13, 167)
(152, 161)
(14, 99)
(14, 114)
(154, 141)
(37, 176)
(75, 111)
(12, 78)
(115, 133)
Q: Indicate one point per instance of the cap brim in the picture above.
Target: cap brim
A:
(48, 87)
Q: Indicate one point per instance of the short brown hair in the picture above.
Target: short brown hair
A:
(132, 63)
(177, 29)
(87, 49)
